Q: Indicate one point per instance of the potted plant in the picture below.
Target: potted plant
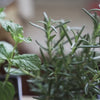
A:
(64, 75)
(9, 56)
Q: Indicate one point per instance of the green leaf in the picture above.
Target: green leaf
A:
(62, 23)
(7, 46)
(79, 34)
(43, 56)
(53, 28)
(61, 38)
(75, 46)
(15, 29)
(45, 16)
(59, 25)
(66, 34)
(51, 38)
(35, 25)
(5, 50)
(89, 46)
(73, 33)
(43, 22)
(9, 26)
(91, 69)
(97, 58)
(28, 62)
(72, 38)
(97, 90)
(94, 10)
(14, 71)
(27, 40)
(7, 91)
(91, 16)
(86, 88)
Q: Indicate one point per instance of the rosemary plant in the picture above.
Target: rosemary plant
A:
(74, 75)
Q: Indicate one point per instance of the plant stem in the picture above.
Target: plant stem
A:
(10, 64)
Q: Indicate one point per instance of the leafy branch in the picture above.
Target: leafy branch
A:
(25, 63)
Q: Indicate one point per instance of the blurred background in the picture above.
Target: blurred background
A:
(23, 11)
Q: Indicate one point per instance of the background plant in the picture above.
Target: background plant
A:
(74, 75)
(24, 64)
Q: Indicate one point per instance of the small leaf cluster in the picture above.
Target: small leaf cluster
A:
(64, 75)
(24, 64)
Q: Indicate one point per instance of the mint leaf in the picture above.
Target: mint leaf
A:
(5, 50)
(14, 71)
(28, 62)
(15, 29)
(3, 53)
(7, 91)
(12, 27)
(7, 46)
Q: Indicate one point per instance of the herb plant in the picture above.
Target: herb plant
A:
(64, 75)
(9, 56)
